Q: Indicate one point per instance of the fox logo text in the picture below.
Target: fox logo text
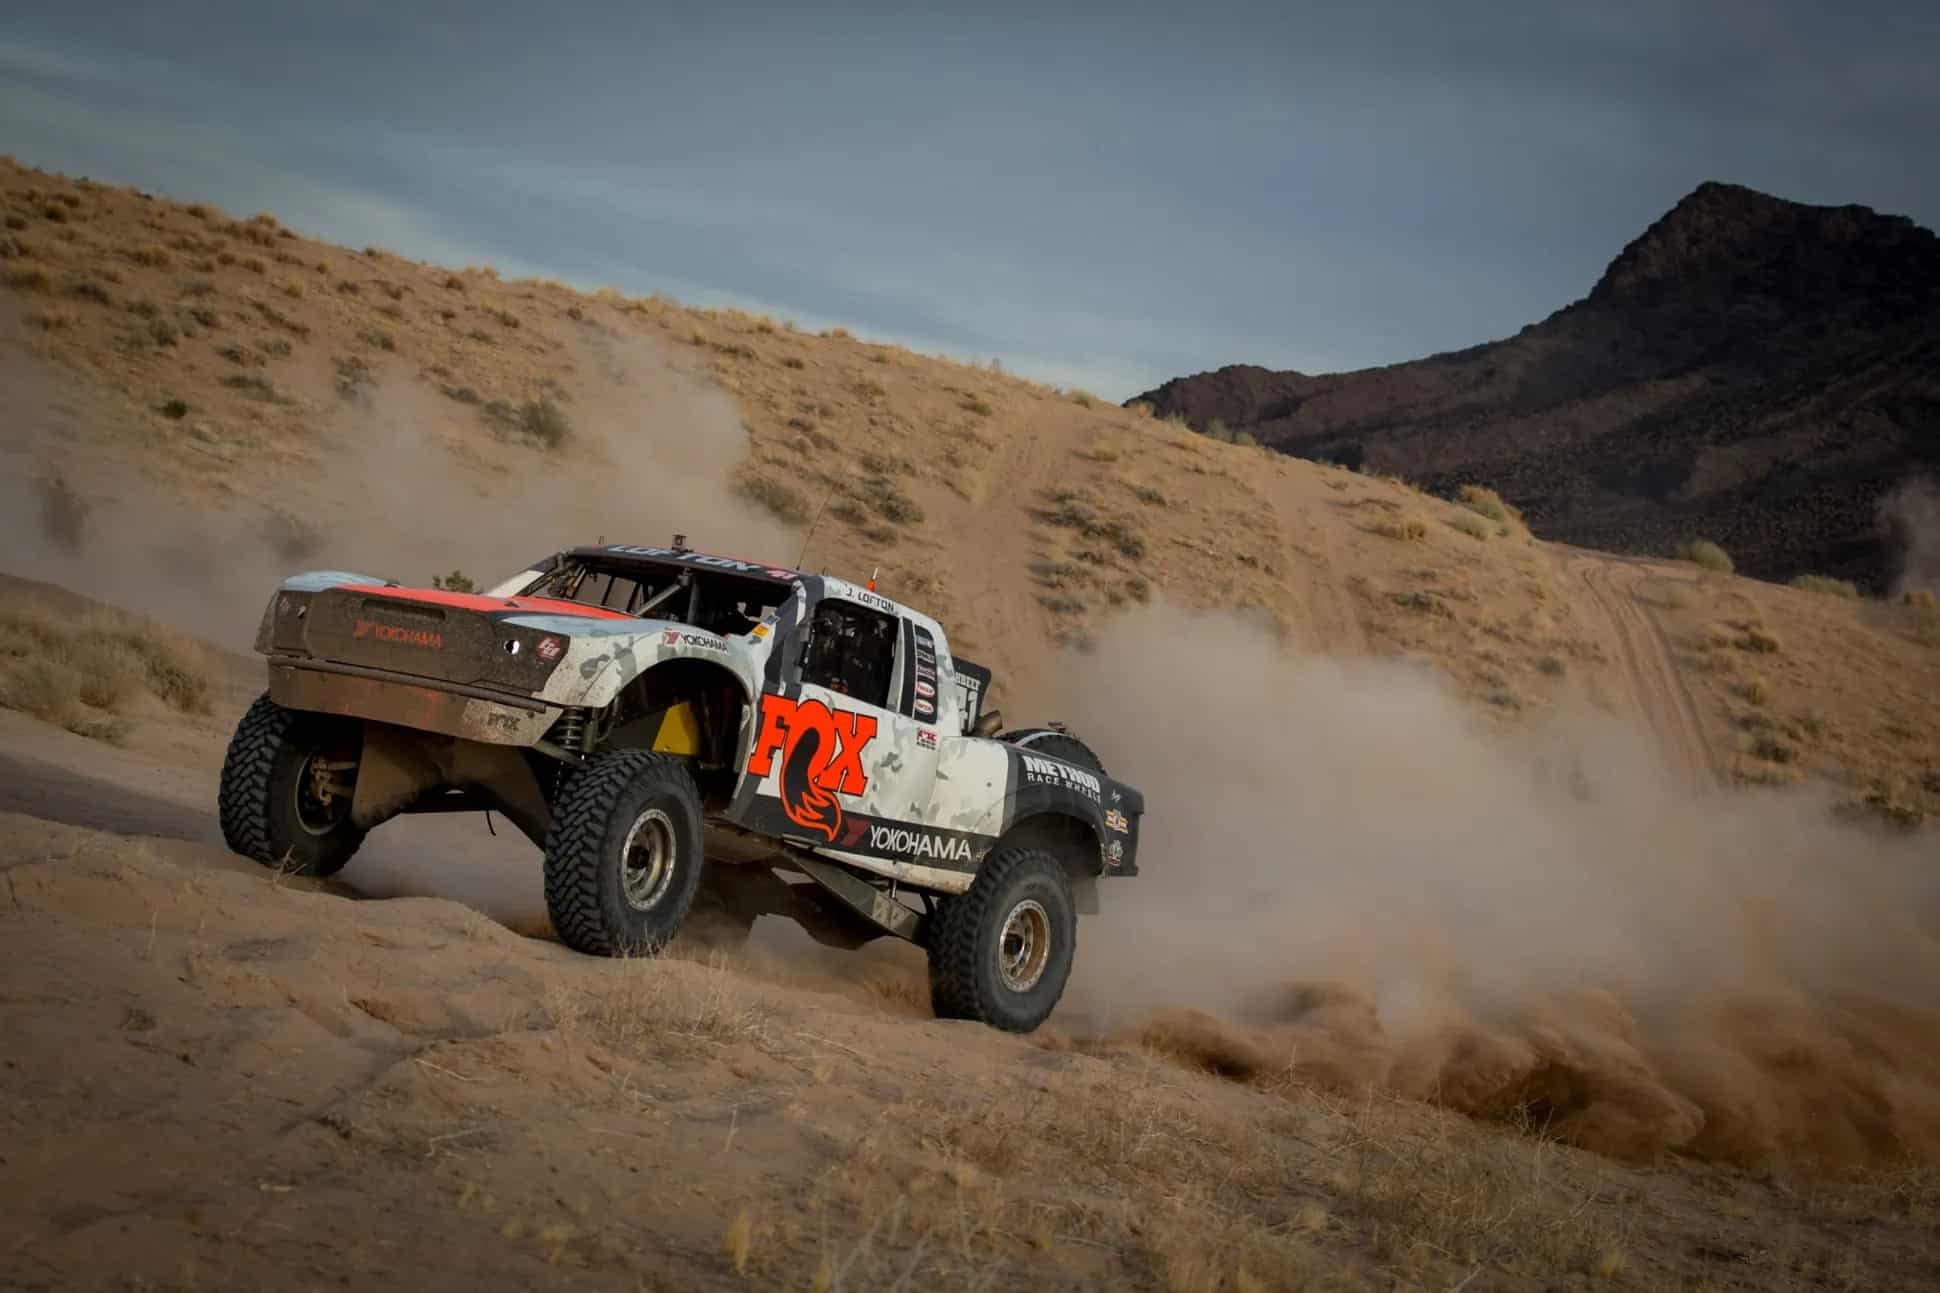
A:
(821, 756)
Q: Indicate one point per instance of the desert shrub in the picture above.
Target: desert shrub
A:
(377, 337)
(173, 410)
(792, 361)
(151, 256)
(1408, 530)
(1484, 501)
(200, 287)
(1470, 524)
(1246, 440)
(1218, 430)
(893, 504)
(849, 512)
(455, 582)
(981, 408)
(1826, 584)
(545, 422)
(1760, 639)
(29, 278)
(16, 221)
(1083, 399)
(1147, 494)
(1923, 597)
(162, 332)
(1705, 553)
(783, 501)
(86, 289)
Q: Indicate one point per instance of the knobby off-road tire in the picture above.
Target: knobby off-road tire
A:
(265, 799)
(624, 855)
(1000, 952)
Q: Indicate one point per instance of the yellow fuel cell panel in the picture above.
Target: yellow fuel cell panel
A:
(680, 731)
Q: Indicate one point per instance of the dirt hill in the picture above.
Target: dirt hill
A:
(1751, 371)
(1485, 938)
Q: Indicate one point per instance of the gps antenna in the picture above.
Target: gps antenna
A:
(812, 524)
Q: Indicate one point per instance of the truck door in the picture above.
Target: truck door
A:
(845, 742)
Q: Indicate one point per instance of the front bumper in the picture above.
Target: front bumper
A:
(358, 691)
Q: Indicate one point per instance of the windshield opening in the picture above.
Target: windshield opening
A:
(720, 603)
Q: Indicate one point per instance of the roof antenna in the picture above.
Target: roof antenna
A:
(873, 572)
(812, 524)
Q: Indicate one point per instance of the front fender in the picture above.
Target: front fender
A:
(604, 661)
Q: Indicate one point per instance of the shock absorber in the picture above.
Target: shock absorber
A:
(569, 733)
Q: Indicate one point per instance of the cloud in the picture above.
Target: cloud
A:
(1098, 203)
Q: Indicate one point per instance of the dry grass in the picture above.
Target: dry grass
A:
(651, 1008)
(1485, 502)
(783, 501)
(1469, 523)
(1707, 554)
(1826, 584)
(85, 672)
(1407, 530)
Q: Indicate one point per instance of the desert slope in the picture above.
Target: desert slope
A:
(196, 405)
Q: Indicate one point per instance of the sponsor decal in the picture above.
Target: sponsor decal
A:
(704, 559)
(923, 688)
(919, 845)
(681, 637)
(1118, 821)
(926, 738)
(1115, 855)
(1050, 772)
(430, 639)
(821, 756)
(759, 630)
(550, 649)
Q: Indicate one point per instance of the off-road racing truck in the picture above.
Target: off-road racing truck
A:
(690, 737)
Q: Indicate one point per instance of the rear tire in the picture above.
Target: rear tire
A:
(624, 854)
(1001, 952)
(269, 799)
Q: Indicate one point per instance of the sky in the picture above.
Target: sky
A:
(1102, 197)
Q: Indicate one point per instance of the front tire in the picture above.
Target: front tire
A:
(624, 854)
(282, 799)
(1001, 952)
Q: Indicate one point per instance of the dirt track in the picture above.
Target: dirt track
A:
(1655, 686)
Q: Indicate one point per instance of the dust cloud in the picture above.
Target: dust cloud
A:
(390, 477)
(394, 478)
(1910, 516)
(1349, 877)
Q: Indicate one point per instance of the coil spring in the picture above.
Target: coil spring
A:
(568, 733)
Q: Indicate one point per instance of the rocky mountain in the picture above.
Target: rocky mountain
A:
(1750, 370)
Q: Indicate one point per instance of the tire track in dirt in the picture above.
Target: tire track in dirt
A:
(1650, 675)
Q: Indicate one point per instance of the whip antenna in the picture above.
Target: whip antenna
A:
(812, 524)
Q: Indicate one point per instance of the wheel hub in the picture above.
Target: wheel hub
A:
(1024, 947)
(323, 794)
(647, 860)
